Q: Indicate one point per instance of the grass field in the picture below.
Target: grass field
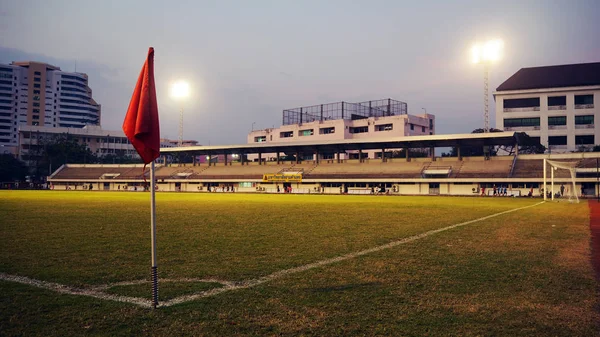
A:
(521, 273)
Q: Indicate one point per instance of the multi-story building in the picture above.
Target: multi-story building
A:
(343, 120)
(556, 104)
(100, 142)
(39, 94)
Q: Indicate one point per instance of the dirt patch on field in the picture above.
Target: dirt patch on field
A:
(595, 235)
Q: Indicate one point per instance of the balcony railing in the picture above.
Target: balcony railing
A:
(521, 128)
(584, 106)
(557, 127)
(533, 108)
(584, 126)
(558, 147)
(557, 107)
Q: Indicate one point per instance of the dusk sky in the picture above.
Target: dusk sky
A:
(248, 60)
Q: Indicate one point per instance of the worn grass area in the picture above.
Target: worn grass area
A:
(524, 273)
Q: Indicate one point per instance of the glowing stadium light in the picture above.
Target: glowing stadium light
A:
(179, 91)
(487, 53)
(491, 51)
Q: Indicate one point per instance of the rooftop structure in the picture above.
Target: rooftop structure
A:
(344, 110)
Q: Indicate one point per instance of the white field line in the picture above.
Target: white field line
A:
(64, 289)
(281, 273)
(162, 280)
(228, 286)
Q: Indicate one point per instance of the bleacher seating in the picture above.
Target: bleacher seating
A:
(368, 169)
(484, 169)
(236, 171)
(534, 168)
(91, 172)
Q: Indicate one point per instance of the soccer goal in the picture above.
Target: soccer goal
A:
(554, 166)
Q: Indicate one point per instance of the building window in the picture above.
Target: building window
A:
(557, 103)
(422, 129)
(37, 79)
(584, 120)
(307, 132)
(584, 101)
(36, 111)
(384, 127)
(521, 122)
(286, 134)
(326, 131)
(558, 120)
(584, 140)
(36, 85)
(412, 126)
(260, 139)
(359, 129)
(37, 73)
(36, 92)
(523, 104)
(557, 140)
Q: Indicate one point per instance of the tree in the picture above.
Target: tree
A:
(53, 152)
(412, 153)
(527, 145)
(11, 169)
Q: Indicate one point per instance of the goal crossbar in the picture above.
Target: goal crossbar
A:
(554, 165)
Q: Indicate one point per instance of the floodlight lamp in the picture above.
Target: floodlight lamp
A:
(492, 50)
(180, 89)
(488, 52)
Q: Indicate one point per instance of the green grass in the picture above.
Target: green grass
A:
(523, 273)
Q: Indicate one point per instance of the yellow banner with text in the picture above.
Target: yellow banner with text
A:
(282, 178)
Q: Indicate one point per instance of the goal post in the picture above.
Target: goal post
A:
(554, 166)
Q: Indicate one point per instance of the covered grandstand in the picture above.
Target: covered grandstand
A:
(520, 173)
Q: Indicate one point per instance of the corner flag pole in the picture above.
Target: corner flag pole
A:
(142, 128)
(153, 234)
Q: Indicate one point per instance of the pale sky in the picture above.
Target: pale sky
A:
(246, 61)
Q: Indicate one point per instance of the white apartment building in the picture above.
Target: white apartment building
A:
(39, 94)
(342, 120)
(556, 104)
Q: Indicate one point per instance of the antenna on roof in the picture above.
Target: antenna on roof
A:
(75, 65)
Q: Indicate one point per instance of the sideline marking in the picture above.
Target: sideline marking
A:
(229, 286)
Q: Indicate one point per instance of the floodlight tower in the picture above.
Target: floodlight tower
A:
(180, 90)
(487, 54)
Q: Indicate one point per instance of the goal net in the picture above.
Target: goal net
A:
(560, 191)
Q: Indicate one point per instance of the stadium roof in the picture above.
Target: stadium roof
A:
(568, 75)
(471, 139)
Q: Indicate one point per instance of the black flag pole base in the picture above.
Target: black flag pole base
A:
(154, 287)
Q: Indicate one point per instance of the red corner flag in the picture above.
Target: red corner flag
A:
(141, 122)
